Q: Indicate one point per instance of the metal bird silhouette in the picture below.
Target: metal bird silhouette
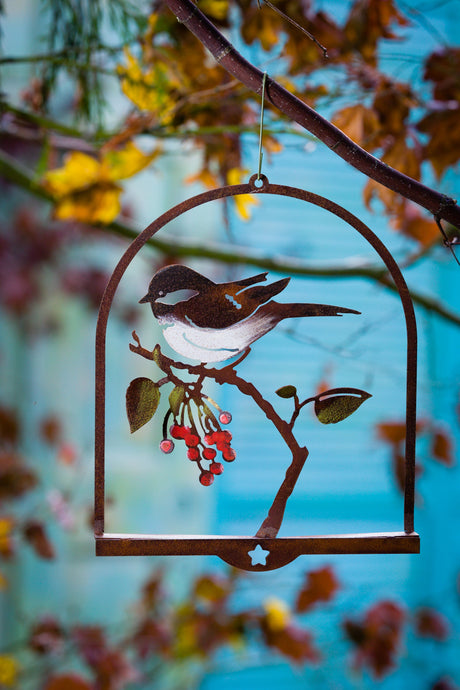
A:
(221, 320)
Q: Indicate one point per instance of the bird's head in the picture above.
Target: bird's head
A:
(172, 279)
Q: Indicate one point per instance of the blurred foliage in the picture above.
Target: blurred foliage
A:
(171, 90)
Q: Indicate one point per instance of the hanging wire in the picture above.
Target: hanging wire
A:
(261, 127)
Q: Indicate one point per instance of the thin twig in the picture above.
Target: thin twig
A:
(297, 26)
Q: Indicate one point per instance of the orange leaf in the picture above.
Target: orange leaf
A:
(391, 432)
(358, 122)
(442, 448)
(294, 642)
(320, 586)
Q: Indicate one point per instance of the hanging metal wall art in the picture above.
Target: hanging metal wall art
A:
(214, 328)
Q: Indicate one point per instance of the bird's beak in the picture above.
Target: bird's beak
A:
(144, 299)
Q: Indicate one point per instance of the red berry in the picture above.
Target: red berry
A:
(229, 454)
(179, 431)
(225, 418)
(206, 478)
(193, 454)
(222, 436)
(222, 445)
(192, 440)
(216, 467)
(209, 453)
(210, 439)
(166, 445)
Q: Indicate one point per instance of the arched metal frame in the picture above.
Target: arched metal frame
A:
(235, 550)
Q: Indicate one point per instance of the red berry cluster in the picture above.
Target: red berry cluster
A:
(199, 450)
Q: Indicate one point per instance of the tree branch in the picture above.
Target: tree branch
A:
(227, 375)
(232, 61)
(11, 170)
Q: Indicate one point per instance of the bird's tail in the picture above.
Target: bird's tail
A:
(297, 310)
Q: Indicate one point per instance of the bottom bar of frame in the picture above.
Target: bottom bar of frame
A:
(251, 553)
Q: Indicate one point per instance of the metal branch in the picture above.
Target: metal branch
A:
(234, 63)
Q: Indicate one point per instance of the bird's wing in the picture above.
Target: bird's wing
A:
(240, 284)
(262, 293)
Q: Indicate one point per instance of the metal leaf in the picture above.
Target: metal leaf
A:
(286, 391)
(339, 403)
(142, 399)
(176, 399)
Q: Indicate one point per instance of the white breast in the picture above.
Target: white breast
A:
(214, 345)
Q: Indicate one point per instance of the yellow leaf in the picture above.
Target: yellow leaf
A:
(152, 88)
(206, 178)
(277, 613)
(6, 529)
(100, 204)
(85, 188)
(118, 165)
(242, 201)
(79, 171)
(8, 671)
(217, 9)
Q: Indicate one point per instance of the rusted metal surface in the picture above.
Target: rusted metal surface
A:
(235, 550)
(251, 553)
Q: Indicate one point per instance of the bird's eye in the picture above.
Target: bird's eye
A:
(161, 293)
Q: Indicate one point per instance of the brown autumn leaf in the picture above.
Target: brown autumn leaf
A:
(399, 155)
(67, 681)
(9, 426)
(392, 104)
(442, 447)
(153, 592)
(305, 55)
(293, 642)
(358, 122)
(391, 432)
(15, 478)
(443, 130)
(34, 533)
(262, 25)
(430, 623)
(399, 470)
(320, 586)
(368, 22)
(46, 636)
(412, 223)
(443, 69)
(51, 429)
(152, 636)
(376, 637)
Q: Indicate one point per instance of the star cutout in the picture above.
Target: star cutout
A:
(258, 555)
